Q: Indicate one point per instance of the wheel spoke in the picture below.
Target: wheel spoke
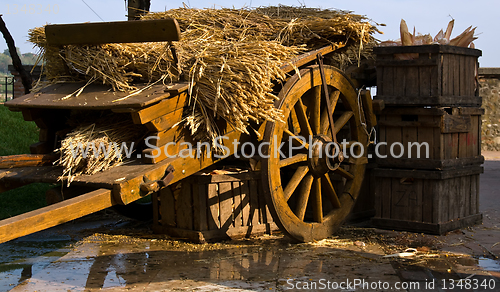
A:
(296, 141)
(304, 191)
(302, 157)
(317, 204)
(325, 123)
(330, 191)
(302, 117)
(342, 172)
(316, 110)
(342, 120)
(295, 181)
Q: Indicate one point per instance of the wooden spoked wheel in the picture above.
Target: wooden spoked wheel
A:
(309, 189)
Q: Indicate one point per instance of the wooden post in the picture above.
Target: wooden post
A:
(137, 8)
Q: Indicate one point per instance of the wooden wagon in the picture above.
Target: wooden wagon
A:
(308, 191)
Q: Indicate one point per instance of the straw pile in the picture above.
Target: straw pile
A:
(233, 55)
(94, 147)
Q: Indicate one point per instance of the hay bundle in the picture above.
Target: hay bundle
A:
(94, 147)
(232, 54)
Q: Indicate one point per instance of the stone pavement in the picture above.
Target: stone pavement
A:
(126, 256)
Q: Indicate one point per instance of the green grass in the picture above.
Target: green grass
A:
(16, 136)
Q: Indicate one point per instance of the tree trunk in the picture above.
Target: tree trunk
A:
(16, 61)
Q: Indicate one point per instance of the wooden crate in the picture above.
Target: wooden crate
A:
(453, 135)
(427, 201)
(439, 76)
(213, 207)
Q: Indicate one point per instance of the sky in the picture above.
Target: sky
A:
(426, 16)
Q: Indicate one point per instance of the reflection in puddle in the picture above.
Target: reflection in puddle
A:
(489, 264)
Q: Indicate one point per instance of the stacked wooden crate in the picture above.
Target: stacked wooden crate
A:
(431, 96)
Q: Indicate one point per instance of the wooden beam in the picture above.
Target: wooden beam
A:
(164, 107)
(309, 57)
(23, 160)
(136, 31)
(53, 215)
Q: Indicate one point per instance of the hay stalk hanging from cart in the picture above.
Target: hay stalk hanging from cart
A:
(242, 85)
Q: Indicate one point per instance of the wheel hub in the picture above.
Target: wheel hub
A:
(324, 156)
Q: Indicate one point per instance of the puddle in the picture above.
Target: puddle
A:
(19, 260)
(489, 264)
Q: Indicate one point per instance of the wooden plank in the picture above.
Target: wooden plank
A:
(386, 192)
(226, 205)
(428, 174)
(399, 200)
(178, 88)
(184, 207)
(56, 214)
(462, 145)
(455, 123)
(464, 196)
(462, 74)
(453, 208)
(255, 198)
(308, 57)
(200, 207)
(456, 75)
(414, 63)
(427, 49)
(94, 97)
(446, 79)
(472, 111)
(166, 121)
(380, 79)
(412, 86)
(156, 155)
(410, 135)
(138, 31)
(436, 78)
(238, 217)
(390, 123)
(424, 79)
(388, 79)
(245, 203)
(399, 82)
(474, 199)
(417, 199)
(23, 160)
(393, 135)
(429, 164)
(177, 135)
(162, 108)
(167, 207)
(454, 148)
(213, 206)
(426, 135)
(441, 100)
(443, 193)
(42, 148)
(428, 197)
(474, 136)
(382, 136)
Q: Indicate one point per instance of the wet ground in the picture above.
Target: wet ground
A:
(107, 252)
